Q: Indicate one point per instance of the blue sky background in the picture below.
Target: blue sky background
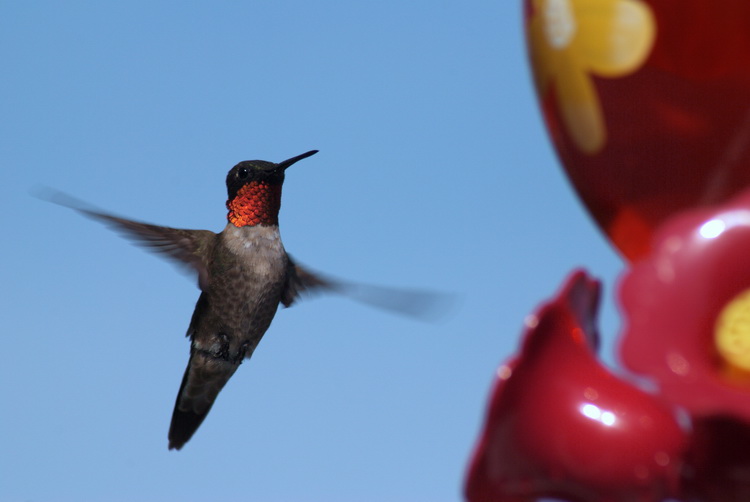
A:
(434, 171)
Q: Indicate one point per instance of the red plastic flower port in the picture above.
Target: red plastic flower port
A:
(687, 311)
(559, 424)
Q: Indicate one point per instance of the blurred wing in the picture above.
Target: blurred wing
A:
(187, 247)
(301, 281)
(410, 302)
(418, 303)
(190, 248)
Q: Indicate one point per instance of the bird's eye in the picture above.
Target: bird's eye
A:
(242, 173)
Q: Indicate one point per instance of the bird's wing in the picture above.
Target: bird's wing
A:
(410, 302)
(187, 247)
(300, 281)
(191, 248)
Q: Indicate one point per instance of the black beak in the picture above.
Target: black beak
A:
(283, 165)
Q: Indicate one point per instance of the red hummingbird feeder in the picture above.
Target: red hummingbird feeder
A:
(557, 417)
(648, 105)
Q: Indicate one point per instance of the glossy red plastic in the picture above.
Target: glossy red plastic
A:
(559, 424)
(647, 103)
(672, 302)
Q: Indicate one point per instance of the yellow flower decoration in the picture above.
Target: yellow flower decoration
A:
(573, 39)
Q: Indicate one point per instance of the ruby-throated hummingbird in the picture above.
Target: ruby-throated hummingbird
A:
(244, 273)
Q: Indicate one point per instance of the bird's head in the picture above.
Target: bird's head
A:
(254, 191)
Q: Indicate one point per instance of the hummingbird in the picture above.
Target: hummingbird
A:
(244, 274)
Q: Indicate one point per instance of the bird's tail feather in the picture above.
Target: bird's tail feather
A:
(204, 378)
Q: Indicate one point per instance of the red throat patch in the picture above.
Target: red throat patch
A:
(256, 203)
